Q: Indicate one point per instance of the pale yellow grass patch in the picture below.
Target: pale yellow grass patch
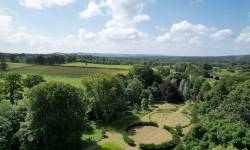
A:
(149, 134)
(159, 117)
(166, 106)
(176, 118)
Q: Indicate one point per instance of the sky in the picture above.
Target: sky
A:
(158, 27)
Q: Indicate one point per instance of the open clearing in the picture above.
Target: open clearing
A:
(149, 134)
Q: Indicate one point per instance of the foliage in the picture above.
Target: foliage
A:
(13, 87)
(56, 115)
(32, 80)
(145, 74)
(218, 132)
(163, 71)
(107, 96)
(3, 65)
(133, 92)
(170, 93)
(5, 133)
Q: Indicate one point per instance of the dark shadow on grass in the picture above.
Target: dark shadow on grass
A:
(118, 125)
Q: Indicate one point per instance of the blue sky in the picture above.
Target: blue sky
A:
(168, 27)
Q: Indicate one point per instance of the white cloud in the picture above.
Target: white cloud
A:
(41, 4)
(187, 33)
(122, 26)
(5, 22)
(186, 27)
(244, 36)
(140, 18)
(84, 35)
(222, 34)
(93, 9)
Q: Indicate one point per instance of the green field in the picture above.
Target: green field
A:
(67, 74)
(91, 65)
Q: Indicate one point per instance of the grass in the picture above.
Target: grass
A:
(110, 146)
(176, 118)
(149, 134)
(12, 66)
(71, 75)
(93, 134)
(91, 65)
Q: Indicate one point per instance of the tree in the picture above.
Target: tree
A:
(57, 115)
(13, 87)
(155, 91)
(144, 104)
(145, 74)
(5, 133)
(133, 91)
(186, 91)
(32, 80)
(163, 71)
(150, 99)
(3, 65)
(170, 93)
(204, 90)
(107, 96)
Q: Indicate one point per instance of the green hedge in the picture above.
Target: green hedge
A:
(169, 145)
(150, 123)
(128, 140)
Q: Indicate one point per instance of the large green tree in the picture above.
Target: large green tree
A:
(57, 115)
(12, 87)
(107, 96)
(133, 92)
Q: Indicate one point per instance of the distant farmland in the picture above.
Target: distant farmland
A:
(68, 73)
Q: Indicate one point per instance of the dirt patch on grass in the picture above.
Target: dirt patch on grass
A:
(149, 134)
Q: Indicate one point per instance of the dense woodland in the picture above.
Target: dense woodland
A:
(40, 115)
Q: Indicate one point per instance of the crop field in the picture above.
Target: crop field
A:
(91, 65)
(12, 66)
(71, 75)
